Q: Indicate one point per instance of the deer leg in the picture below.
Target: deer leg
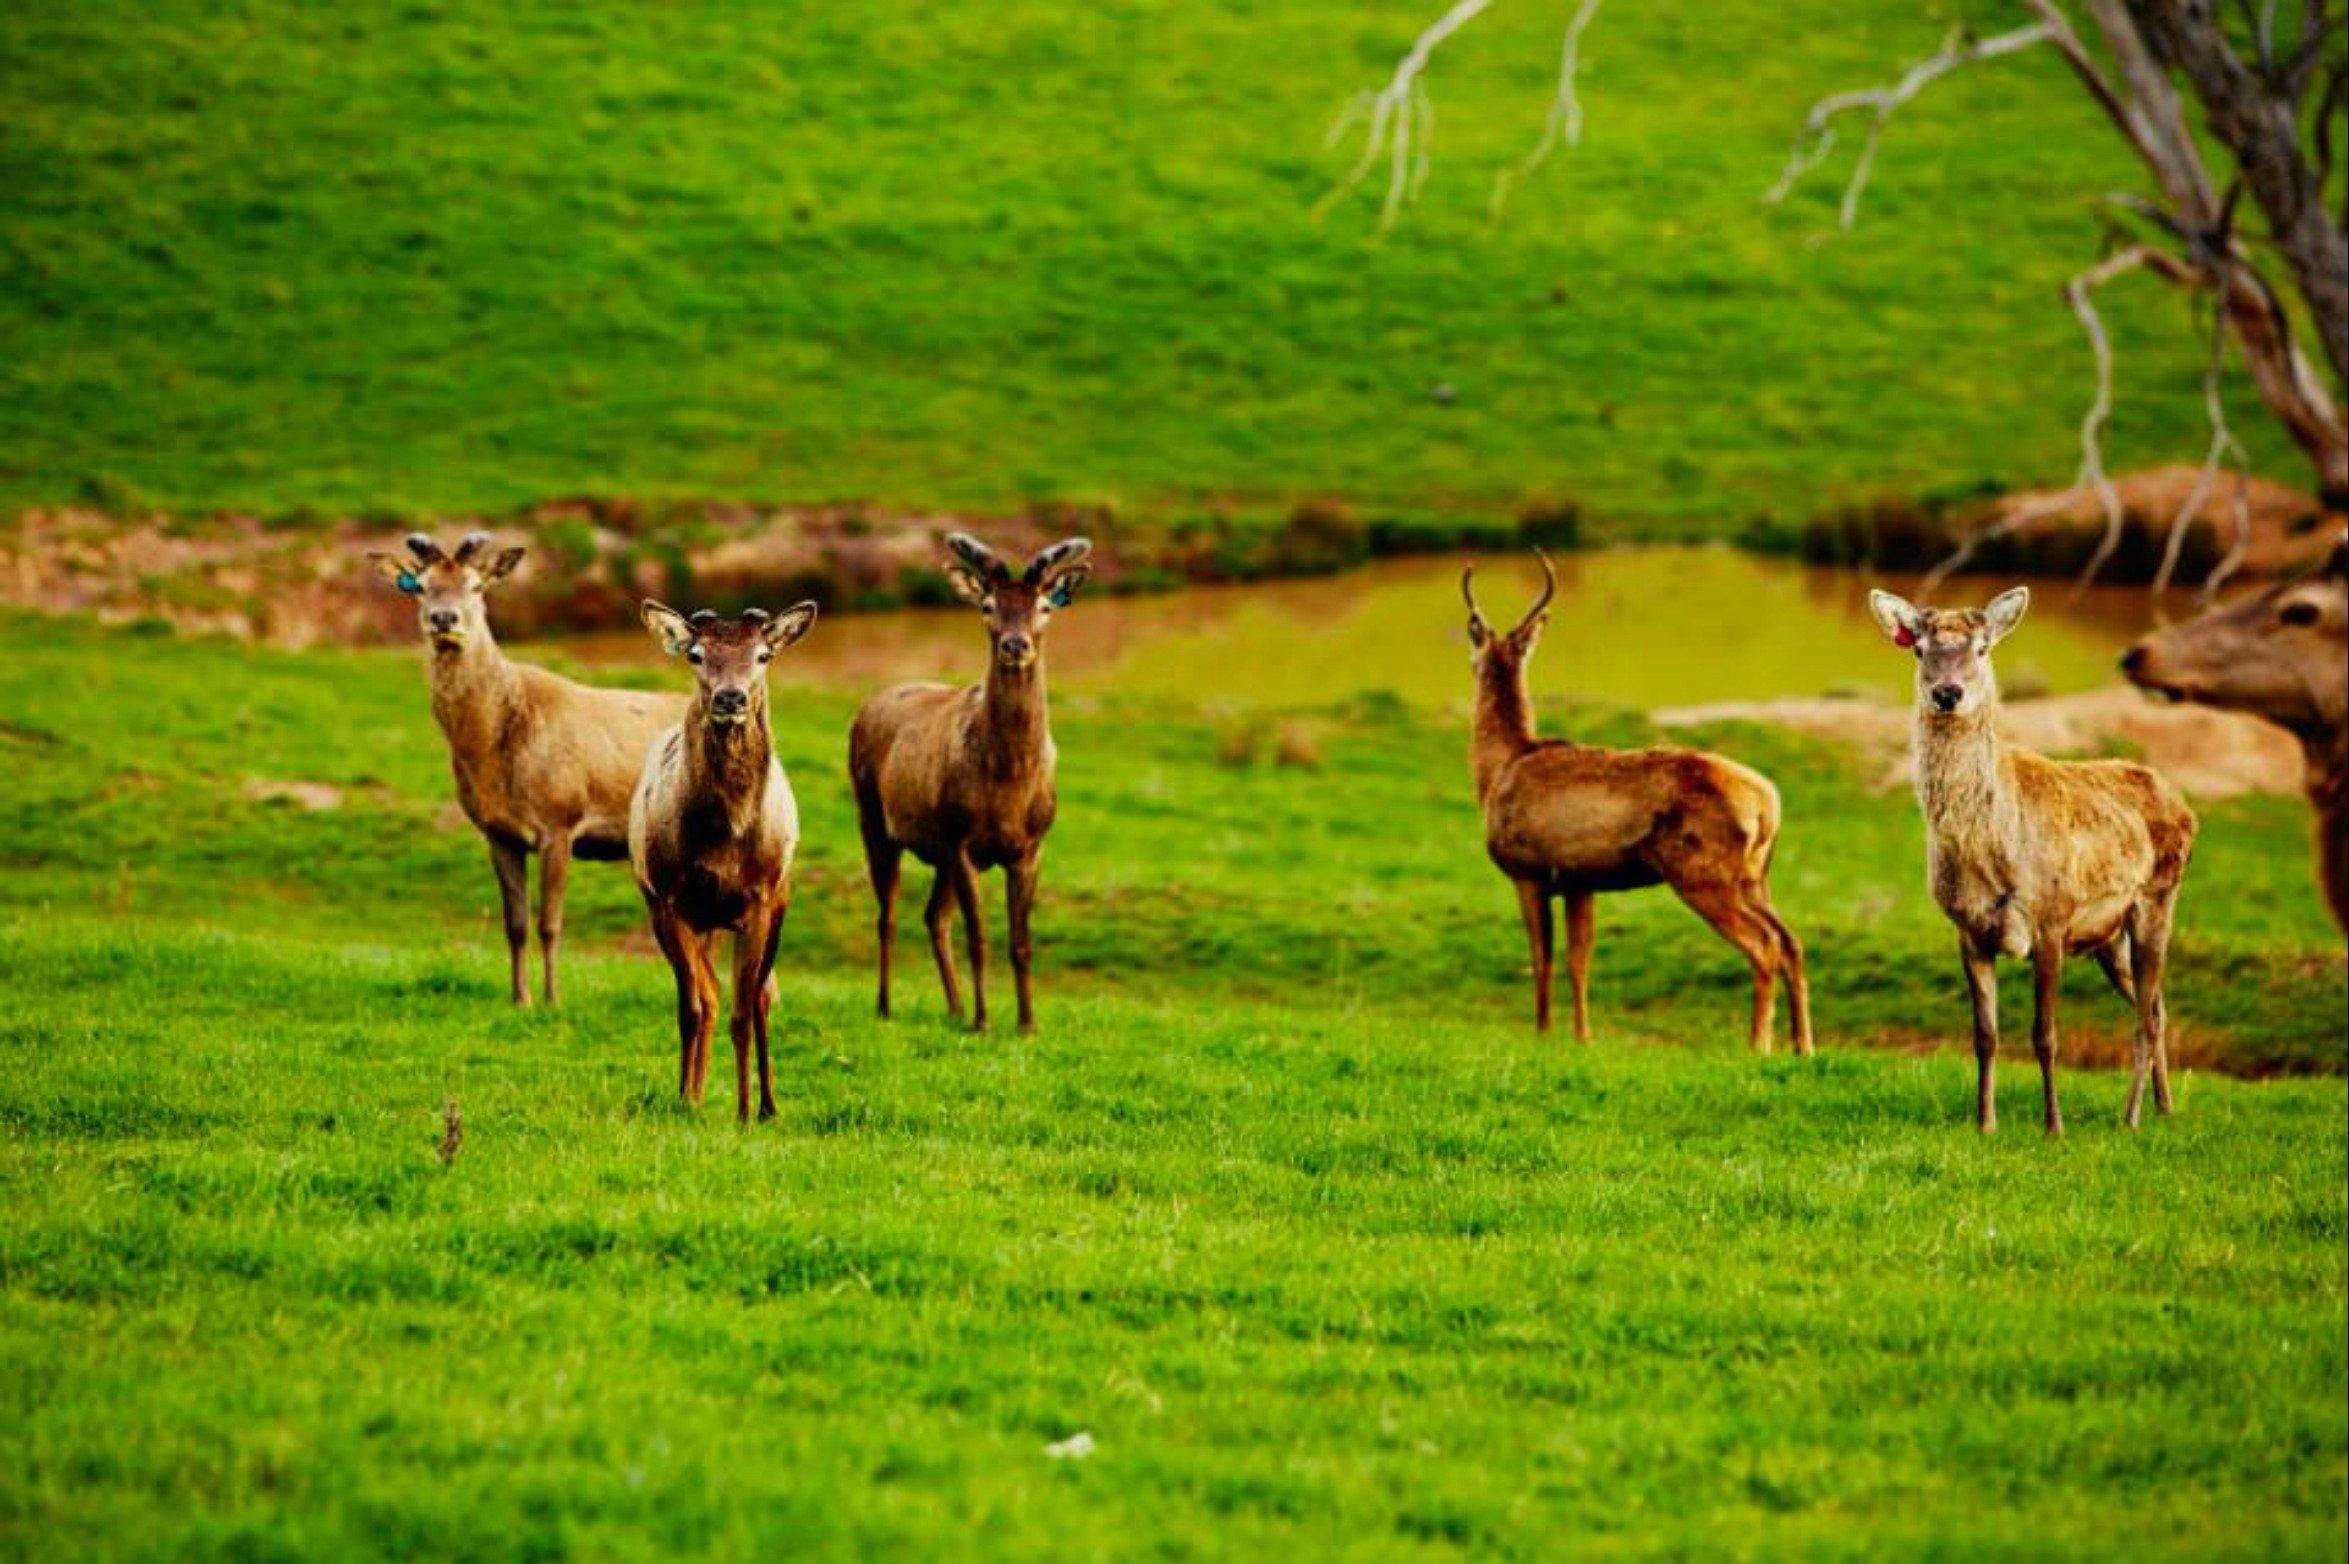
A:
(883, 859)
(1982, 984)
(706, 979)
(974, 934)
(1533, 901)
(750, 983)
(935, 915)
(2151, 947)
(676, 942)
(1798, 983)
(1729, 909)
(512, 864)
(766, 1003)
(1019, 901)
(2047, 969)
(554, 877)
(1581, 931)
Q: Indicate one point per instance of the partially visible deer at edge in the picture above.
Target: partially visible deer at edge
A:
(1566, 821)
(2036, 858)
(542, 765)
(2281, 654)
(963, 778)
(711, 834)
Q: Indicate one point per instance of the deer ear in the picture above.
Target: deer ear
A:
(1061, 590)
(1897, 617)
(501, 565)
(967, 585)
(668, 627)
(788, 626)
(397, 571)
(2005, 612)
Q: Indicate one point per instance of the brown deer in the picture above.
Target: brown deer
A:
(1567, 821)
(711, 833)
(2036, 858)
(963, 778)
(2282, 654)
(543, 765)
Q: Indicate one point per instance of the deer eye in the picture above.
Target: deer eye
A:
(693, 655)
(2299, 614)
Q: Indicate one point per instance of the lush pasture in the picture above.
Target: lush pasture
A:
(1284, 1206)
(406, 255)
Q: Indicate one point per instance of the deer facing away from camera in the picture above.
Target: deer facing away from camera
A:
(2036, 858)
(542, 765)
(1567, 821)
(2281, 654)
(963, 778)
(711, 834)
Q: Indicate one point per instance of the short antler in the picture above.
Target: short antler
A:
(979, 557)
(425, 550)
(1468, 589)
(469, 545)
(1058, 557)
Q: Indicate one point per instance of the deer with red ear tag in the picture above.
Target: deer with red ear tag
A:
(2037, 859)
(712, 832)
(963, 778)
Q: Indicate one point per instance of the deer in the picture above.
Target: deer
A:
(963, 777)
(2037, 859)
(712, 829)
(542, 764)
(1566, 821)
(2281, 653)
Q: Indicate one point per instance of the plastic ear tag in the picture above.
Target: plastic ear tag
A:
(408, 583)
(1904, 636)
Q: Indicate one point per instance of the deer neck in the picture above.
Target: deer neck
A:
(1014, 727)
(726, 765)
(2325, 753)
(1504, 723)
(1962, 785)
(472, 688)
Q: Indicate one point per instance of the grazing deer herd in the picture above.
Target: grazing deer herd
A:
(2030, 858)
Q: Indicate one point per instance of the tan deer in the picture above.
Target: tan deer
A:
(543, 765)
(963, 778)
(2282, 654)
(711, 834)
(1567, 821)
(2036, 858)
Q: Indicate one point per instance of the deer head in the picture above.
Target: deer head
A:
(1952, 647)
(449, 587)
(1019, 605)
(1489, 650)
(2281, 653)
(729, 656)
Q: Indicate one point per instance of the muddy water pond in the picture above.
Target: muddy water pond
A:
(1633, 627)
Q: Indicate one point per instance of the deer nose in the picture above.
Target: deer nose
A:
(2133, 660)
(1947, 696)
(1018, 648)
(729, 702)
(442, 619)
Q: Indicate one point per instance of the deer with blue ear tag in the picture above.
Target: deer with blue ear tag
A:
(2037, 859)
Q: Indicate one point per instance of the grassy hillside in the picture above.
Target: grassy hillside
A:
(421, 257)
(1285, 1206)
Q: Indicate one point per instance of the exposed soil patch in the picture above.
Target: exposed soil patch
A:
(2209, 753)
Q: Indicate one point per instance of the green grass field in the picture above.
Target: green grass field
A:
(421, 258)
(1285, 1205)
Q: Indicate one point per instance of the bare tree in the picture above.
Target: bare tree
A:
(2269, 104)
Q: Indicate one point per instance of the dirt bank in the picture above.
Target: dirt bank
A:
(2211, 754)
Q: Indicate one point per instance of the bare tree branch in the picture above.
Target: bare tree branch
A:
(1564, 121)
(1817, 137)
(1397, 117)
(2223, 445)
